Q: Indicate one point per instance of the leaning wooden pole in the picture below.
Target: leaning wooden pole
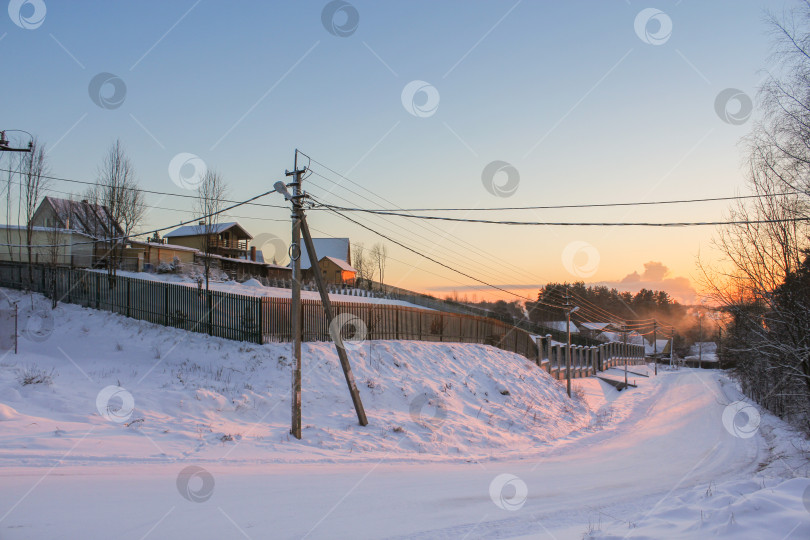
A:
(327, 307)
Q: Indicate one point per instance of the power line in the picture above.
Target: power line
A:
(148, 191)
(573, 224)
(434, 260)
(593, 205)
(427, 243)
(470, 246)
(147, 232)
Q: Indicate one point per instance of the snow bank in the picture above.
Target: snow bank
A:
(194, 395)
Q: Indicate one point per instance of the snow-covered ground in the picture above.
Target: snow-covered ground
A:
(140, 431)
(253, 287)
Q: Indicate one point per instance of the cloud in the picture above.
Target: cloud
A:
(656, 276)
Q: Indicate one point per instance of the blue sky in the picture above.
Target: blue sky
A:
(566, 92)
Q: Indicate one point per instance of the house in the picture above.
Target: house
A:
(593, 329)
(336, 271)
(337, 248)
(228, 240)
(633, 337)
(74, 248)
(229, 250)
(87, 218)
(560, 326)
(151, 253)
(92, 220)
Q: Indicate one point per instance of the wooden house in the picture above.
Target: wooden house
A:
(226, 239)
(336, 271)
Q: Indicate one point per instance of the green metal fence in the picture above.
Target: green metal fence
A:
(257, 319)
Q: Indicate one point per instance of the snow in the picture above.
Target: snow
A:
(657, 461)
(708, 354)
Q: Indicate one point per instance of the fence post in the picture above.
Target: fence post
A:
(441, 327)
(166, 304)
(260, 331)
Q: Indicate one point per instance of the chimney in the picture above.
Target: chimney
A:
(253, 253)
(202, 223)
(84, 201)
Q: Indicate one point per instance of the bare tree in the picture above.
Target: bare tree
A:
(379, 256)
(210, 201)
(122, 204)
(32, 185)
(763, 280)
(361, 261)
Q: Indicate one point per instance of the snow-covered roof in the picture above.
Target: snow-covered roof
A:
(595, 325)
(326, 247)
(633, 338)
(560, 326)
(163, 246)
(343, 265)
(197, 230)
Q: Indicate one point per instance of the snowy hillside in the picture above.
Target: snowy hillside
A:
(111, 427)
(193, 395)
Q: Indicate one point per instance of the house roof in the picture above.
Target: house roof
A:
(158, 245)
(633, 338)
(337, 248)
(199, 230)
(343, 265)
(87, 218)
(595, 325)
(560, 326)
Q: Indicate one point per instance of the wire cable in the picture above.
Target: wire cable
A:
(118, 238)
(575, 224)
(594, 205)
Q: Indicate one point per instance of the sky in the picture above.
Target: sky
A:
(413, 105)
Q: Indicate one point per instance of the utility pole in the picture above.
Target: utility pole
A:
(299, 225)
(295, 310)
(655, 346)
(624, 353)
(327, 307)
(4, 144)
(569, 309)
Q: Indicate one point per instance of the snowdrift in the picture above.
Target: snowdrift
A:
(178, 395)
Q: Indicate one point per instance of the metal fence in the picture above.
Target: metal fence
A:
(257, 319)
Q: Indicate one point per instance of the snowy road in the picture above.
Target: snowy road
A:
(672, 440)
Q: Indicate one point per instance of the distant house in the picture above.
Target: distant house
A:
(336, 271)
(151, 254)
(229, 250)
(227, 239)
(633, 337)
(87, 218)
(560, 326)
(75, 248)
(336, 248)
(81, 217)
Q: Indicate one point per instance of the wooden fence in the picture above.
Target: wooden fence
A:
(259, 319)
